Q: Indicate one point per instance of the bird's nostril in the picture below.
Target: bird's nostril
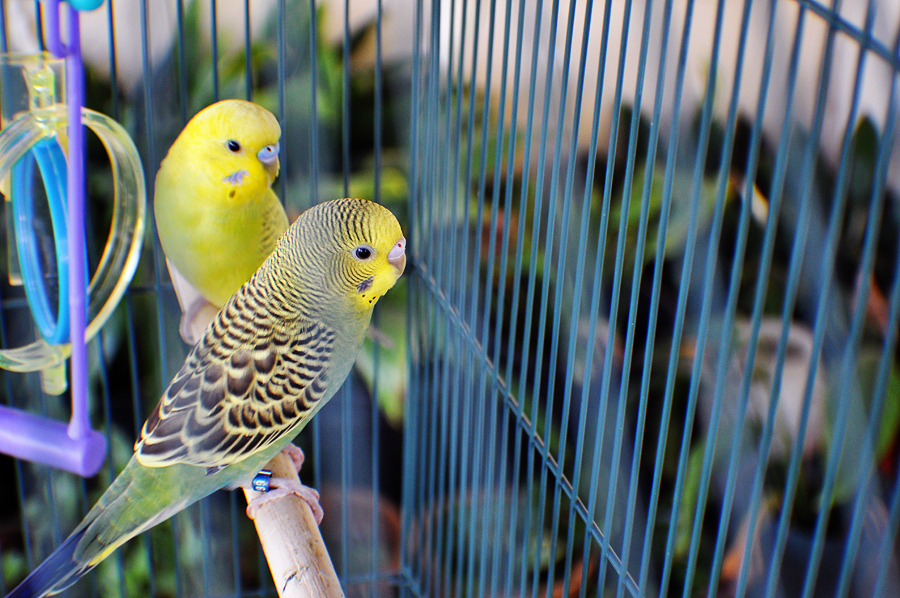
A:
(398, 250)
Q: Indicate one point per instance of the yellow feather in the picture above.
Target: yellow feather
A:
(217, 217)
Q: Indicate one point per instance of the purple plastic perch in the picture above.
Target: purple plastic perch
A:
(33, 438)
(74, 446)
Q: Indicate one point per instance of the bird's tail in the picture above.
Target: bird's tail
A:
(108, 525)
(58, 571)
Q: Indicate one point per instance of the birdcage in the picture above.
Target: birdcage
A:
(646, 342)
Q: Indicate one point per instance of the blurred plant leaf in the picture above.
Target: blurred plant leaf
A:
(679, 218)
(689, 493)
(390, 377)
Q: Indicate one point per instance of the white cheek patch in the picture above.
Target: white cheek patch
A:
(235, 178)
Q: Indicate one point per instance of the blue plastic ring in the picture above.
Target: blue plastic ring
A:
(260, 481)
(52, 165)
(84, 5)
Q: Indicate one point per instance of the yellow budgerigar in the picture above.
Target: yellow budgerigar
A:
(270, 359)
(216, 213)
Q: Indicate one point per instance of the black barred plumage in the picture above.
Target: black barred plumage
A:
(278, 349)
(264, 362)
(229, 407)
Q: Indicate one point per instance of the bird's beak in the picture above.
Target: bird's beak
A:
(272, 171)
(397, 255)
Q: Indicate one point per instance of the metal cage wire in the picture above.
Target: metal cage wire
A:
(649, 345)
(643, 344)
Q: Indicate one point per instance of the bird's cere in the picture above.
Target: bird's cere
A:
(269, 154)
(398, 252)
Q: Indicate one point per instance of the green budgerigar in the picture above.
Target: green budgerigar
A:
(270, 359)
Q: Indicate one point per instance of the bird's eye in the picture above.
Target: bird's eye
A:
(234, 146)
(363, 252)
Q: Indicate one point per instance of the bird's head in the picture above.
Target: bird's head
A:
(347, 252)
(239, 143)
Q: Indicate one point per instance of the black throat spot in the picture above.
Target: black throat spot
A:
(365, 285)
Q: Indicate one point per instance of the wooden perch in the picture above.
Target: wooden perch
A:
(292, 542)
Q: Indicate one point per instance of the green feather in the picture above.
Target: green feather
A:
(278, 350)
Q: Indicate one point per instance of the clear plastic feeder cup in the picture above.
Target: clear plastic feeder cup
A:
(34, 133)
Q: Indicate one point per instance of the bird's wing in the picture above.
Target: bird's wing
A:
(196, 311)
(236, 394)
(274, 222)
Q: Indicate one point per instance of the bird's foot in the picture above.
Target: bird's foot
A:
(296, 455)
(278, 487)
(284, 487)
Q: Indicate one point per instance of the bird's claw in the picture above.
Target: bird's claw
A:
(280, 487)
(296, 455)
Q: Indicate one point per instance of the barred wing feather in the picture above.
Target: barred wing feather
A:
(238, 392)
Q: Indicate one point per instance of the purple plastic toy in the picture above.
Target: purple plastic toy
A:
(74, 446)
